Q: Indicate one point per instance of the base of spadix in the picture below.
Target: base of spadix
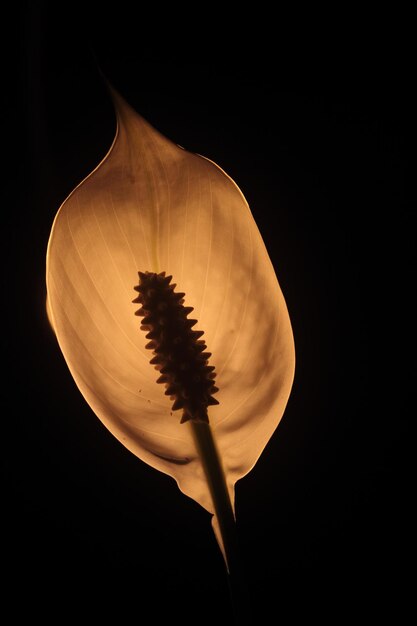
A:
(224, 519)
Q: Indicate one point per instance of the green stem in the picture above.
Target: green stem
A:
(215, 477)
(213, 469)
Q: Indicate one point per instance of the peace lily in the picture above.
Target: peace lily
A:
(151, 206)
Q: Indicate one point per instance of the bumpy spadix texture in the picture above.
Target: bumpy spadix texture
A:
(180, 354)
(152, 205)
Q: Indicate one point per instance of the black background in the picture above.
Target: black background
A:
(319, 134)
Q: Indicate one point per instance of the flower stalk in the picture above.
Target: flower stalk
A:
(211, 461)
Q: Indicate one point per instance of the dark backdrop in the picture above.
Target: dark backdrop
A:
(320, 138)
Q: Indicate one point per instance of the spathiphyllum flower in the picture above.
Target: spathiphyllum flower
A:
(200, 365)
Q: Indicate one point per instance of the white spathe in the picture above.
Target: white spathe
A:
(152, 206)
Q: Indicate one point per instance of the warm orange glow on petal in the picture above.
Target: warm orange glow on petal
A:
(152, 206)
